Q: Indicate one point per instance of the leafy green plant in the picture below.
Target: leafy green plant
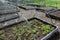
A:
(47, 28)
(2, 35)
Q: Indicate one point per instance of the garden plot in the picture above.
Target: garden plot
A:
(8, 10)
(34, 29)
(1, 16)
(55, 15)
(44, 8)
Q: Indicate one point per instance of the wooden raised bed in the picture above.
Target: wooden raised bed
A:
(14, 33)
(43, 9)
(54, 15)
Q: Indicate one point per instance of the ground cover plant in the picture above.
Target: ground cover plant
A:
(23, 31)
(54, 3)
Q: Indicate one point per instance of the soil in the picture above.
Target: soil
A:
(44, 8)
(57, 14)
(24, 31)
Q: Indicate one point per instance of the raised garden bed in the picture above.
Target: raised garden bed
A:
(8, 9)
(27, 7)
(36, 29)
(4, 19)
(8, 12)
(43, 9)
(54, 15)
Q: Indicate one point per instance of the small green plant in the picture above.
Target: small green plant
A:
(2, 35)
(47, 28)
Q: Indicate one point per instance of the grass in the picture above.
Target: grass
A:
(55, 3)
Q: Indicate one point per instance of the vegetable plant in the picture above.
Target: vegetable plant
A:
(47, 28)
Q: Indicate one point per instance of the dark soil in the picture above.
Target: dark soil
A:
(57, 14)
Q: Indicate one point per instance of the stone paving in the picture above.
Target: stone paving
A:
(29, 14)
